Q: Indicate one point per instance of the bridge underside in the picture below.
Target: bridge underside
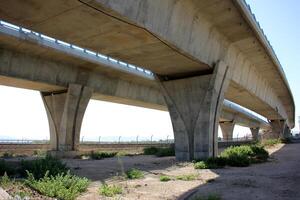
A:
(223, 56)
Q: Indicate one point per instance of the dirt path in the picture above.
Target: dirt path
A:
(278, 179)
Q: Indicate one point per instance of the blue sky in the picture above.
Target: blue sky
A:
(280, 20)
(23, 115)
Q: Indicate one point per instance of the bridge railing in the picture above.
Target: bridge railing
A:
(66, 47)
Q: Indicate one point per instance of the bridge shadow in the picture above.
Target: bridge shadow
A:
(101, 170)
(276, 179)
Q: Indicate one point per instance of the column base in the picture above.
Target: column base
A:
(63, 154)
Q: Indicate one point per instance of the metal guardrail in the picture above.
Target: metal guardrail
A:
(87, 54)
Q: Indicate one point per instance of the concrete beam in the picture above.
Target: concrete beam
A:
(194, 105)
(65, 111)
(227, 129)
(254, 132)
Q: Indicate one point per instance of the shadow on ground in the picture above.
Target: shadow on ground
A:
(278, 179)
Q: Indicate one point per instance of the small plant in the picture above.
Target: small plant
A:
(110, 191)
(5, 181)
(150, 150)
(61, 186)
(40, 166)
(164, 178)
(201, 165)
(134, 174)
(7, 155)
(189, 177)
(102, 155)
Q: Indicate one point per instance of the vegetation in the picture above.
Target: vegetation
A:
(188, 177)
(163, 152)
(150, 150)
(5, 181)
(110, 191)
(102, 155)
(39, 167)
(238, 156)
(160, 151)
(164, 178)
(62, 186)
(134, 174)
(270, 142)
(5, 168)
(7, 155)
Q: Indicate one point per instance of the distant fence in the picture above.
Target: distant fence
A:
(28, 147)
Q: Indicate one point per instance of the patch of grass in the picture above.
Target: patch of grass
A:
(39, 167)
(40, 153)
(102, 155)
(134, 174)
(62, 186)
(237, 156)
(150, 150)
(164, 178)
(209, 197)
(160, 151)
(188, 177)
(167, 151)
(7, 155)
(110, 191)
(270, 142)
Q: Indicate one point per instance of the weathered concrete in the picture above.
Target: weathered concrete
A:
(194, 104)
(278, 127)
(227, 129)
(65, 111)
(152, 34)
(254, 132)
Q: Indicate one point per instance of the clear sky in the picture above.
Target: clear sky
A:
(22, 114)
(280, 20)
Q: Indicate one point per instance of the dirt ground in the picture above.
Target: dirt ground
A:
(277, 179)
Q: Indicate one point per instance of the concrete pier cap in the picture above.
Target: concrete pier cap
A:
(194, 105)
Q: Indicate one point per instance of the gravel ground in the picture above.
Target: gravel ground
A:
(278, 179)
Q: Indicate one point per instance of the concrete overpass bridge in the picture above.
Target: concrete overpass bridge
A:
(199, 52)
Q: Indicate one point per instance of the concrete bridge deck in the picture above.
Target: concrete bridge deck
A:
(200, 53)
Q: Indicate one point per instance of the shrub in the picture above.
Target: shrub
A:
(259, 154)
(163, 152)
(102, 155)
(211, 163)
(134, 174)
(62, 186)
(201, 165)
(110, 191)
(238, 156)
(150, 150)
(189, 177)
(164, 178)
(4, 167)
(39, 167)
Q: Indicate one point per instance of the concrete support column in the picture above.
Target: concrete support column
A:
(65, 111)
(194, 105)
(255, 132)
(278, 127)
(227, 130)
